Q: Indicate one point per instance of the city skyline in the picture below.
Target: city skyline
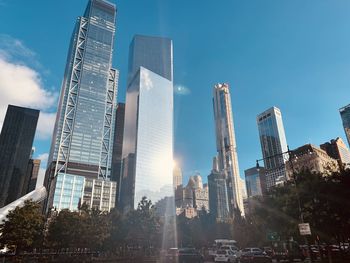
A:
(194, 155)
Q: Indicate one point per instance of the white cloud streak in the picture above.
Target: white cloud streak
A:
(43, 157)
(22, 85)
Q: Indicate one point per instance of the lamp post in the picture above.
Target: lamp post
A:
(290, 159)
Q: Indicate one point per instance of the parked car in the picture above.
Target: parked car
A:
(249, 250)
(225, 256)
(187, 255)
(172, 255)
(233, 249)
(254, 255)
(288, 250)
(268, 251)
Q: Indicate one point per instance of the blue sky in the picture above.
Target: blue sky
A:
(291, 54)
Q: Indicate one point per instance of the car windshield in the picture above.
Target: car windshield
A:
(221, 252)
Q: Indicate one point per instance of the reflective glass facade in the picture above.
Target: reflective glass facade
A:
(149, 135)
(273, 142)
(148, 127)
(83, 135)
(72, 190)
(254, 179)
(226, 144)
(68, 192)
(153, 53)
(118, 145)
(345, 116)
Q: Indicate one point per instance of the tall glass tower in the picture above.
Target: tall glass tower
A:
(79, 167)
(273, 142)
(345, 116)
(16, 140)
(148, 127)
(226, 144)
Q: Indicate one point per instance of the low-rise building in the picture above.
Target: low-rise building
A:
(310, 157)
(338, 150)
(194, 195)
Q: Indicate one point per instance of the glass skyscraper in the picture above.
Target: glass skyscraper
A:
(345, 116)
(148, 127)
(255, 181)
(226, 144)
(273, 143)
(16, 140)
(118, 145)
(82, 142)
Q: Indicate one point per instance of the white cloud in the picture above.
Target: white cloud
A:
(43, 157)
(181, 90)
(45, 126)
(22, 85)
(14, 49)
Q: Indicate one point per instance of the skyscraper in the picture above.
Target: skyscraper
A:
(218, 196)
(79, 167)
(345, 116)
(148, 129)
(32, 174)
(16, 142)
(177, 176)
(273, 143)
(255, 181)
(226, 144)
(118, 145)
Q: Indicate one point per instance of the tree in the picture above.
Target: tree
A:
(23, 229)
(79, 229)
(143, 225)
(321, 199)
(117, 229)
(67, 230)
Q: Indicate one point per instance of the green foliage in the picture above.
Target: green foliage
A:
(111, 232)
(81, 229)
(23, 229)
(143, 226)
(324, 203)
